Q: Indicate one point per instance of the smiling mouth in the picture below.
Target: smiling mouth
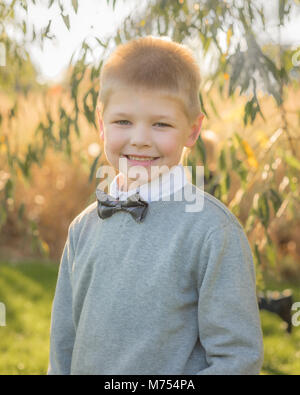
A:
(140, 159)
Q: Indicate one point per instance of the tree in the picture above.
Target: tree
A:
(243, 66)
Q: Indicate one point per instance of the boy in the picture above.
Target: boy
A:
(151, 287)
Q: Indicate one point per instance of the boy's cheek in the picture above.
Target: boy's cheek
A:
(169, 149)
(114, 143)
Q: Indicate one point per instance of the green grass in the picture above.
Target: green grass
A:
(27, 290)
(282, 350)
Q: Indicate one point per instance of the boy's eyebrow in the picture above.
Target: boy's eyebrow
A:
(123, 114)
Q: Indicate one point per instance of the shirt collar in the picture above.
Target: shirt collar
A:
(165, 185)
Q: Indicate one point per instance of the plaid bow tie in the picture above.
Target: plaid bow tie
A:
(108, 205)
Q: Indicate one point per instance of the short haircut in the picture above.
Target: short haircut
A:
(153, 63)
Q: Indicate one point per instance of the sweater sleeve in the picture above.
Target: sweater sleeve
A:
(228, 315)
(62, 333)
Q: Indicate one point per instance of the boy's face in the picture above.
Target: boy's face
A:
(144, 123)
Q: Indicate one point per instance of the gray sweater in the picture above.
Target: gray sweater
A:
(172, 295)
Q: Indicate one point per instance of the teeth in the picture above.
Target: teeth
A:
(138, 158)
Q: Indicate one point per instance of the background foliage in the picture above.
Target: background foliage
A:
(50, 151)
(256, 169)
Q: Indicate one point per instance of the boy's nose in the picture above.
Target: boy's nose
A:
(140, 137)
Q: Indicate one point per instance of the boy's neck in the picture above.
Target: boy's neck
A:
(131, 184)
(123, 186)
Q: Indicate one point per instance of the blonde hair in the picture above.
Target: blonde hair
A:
(155, 64)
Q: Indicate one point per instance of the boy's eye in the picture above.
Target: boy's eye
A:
(120, 121)
(164, 124)
(158, 123)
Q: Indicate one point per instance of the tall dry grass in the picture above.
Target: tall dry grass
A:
(59, 189)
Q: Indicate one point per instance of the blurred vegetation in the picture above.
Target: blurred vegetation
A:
(27, 289)
(49, 148)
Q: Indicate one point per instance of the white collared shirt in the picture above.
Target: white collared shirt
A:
(165, 185)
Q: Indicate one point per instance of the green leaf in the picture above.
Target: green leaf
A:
(214, 108)
(281, 11)
(25, 7)
(68, 148)
(257, 254)
(24, 27)
(207, 43)
(225, 184)
(243, 172)
(8, 189)
(89, 112)
(222, 160)
(93, 168)
(33, 34)
(275, 199)
(252, 107)
(21, 211)
(202, 105)
(75, 5)
(238, 139)
(3, 216)
(227, 181)
(48, 28)
(237, 60)
(118, 39)
(271, 254)
(113, 5)
(263, 210)
(200, 148)
(100, 42)
(292, 161)
(76, 127)
(66, 20)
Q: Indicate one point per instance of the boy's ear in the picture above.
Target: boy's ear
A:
(100, 121)
(195, 130)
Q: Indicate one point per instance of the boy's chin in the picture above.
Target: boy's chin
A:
(131, 184)
(135, 182)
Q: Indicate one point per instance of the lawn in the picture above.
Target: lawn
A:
(27, 291)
